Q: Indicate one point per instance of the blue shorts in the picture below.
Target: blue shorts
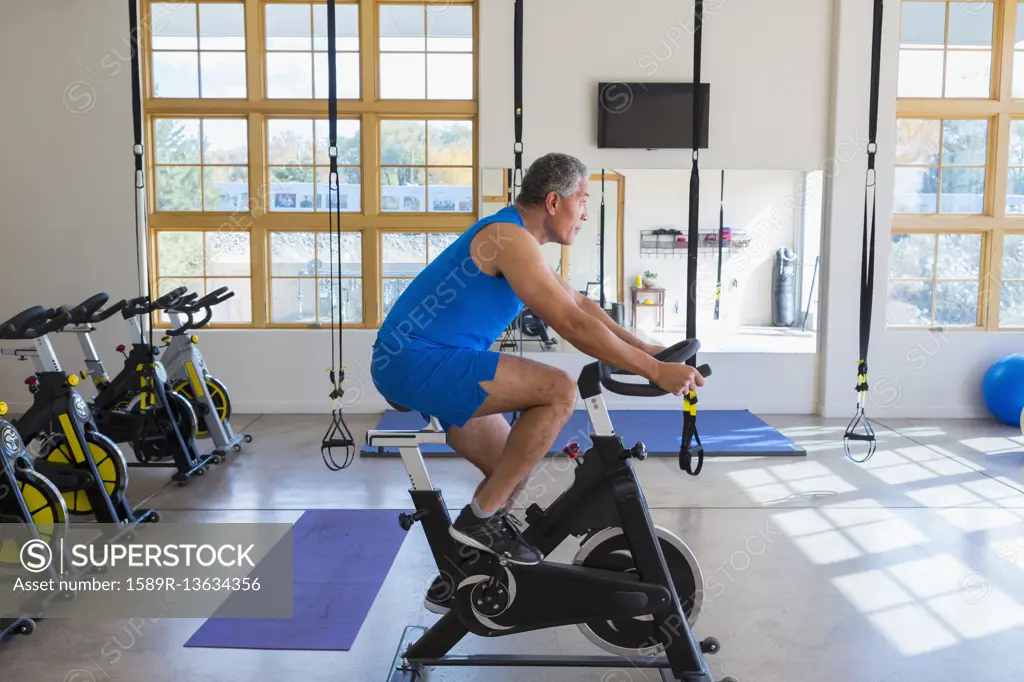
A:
(436, 381)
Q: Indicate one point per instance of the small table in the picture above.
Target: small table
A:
(658, 298)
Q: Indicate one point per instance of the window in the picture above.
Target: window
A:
(198, 49)
(302, 264)
(201, 164)
(946, 49)
(297, 50)
(1018, 54)
(299, 165)
(234, 97)
(940, 166)
(404, 256)
(935, 280)
(426, 51)
(1011, 299)
(205, 261)
(427, 166)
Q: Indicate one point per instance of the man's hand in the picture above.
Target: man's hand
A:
(651, 348)
(678, 379)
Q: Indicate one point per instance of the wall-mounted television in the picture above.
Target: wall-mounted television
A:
(651, 115)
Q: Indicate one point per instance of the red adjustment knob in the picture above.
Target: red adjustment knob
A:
(120, 349)
(572, 449)
(31, 381)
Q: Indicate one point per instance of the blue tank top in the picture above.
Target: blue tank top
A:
(452, 302)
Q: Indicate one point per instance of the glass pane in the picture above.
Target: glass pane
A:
(403, 143)
(1013, 256)
(963, 190)
(290, 75)
(348, 142)
(346, 27)
(956, 304)
(1015, 191)
(970, 24)
(393, 288)
(348, 75)
(436, 243)
(174, 26)
(1016, 143)
(291, 188)
(449, 76)
(910, 304)
(291, 141)
(221, 26)
(916, 190)
(225, 140)
(920, 72)
(959, 256)
(352, 300)
(967, 74)
(403, 189)
(450, 189)
(178, 188)
(177, 140)
(912, 256)
(450, 143)
(403, 253)
(1011, 305)
(176, 74)
(917, 141)
(326, 254)
(179, 254)
(223, 74)
(1018, 40)
(166, 285)
(402, 28)
(964, 143)
(292, 254)
(289, 27)
(223, 187)
(1018, 70)
(292, 300)
(238, 308)
(352, 254)
(450, 30)
(924, 24)
(349, 189)
(227, 254)
(403, 76)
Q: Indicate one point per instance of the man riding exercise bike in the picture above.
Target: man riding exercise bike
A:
(432, 353)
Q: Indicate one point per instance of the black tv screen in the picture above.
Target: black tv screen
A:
(651, 115)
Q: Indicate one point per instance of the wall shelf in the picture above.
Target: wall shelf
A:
(657, 243)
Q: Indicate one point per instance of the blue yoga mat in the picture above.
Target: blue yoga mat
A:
(724, 433)
(342, 557)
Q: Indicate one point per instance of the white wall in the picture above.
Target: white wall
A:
(766, 113)
(763, 203)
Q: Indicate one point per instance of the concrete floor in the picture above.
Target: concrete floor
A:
(909, 567)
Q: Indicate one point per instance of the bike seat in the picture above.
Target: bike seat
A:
(400, 408)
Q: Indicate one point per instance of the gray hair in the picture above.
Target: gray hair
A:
(554, 172)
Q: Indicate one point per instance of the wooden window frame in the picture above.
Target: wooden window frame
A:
(993, 222)
(369, 109)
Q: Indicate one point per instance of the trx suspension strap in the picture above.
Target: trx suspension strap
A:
(338, 434)
(600, 251)
(691, 446)
(516, 175)
(721, 245)
(859, 428)
(137, 148)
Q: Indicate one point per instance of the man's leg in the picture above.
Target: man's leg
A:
(481, 440)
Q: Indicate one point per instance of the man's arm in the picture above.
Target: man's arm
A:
(592, 308)
(522, 263)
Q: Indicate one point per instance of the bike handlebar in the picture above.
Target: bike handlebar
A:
(142, 305)
(188, 305)
(26, 316)
(50, 320)
(680, 352)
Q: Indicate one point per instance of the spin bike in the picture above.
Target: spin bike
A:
(189, 376)
(137, 406)
(83, 464)
(633, 589)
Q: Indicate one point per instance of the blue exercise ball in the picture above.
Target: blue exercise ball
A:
(1003, 388)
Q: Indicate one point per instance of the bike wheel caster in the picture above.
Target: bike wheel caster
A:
(201, 471)
(153, 517)
(248, 438)
(236, 448)
(26, 627)
(711, 645)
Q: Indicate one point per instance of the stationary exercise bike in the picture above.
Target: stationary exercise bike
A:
(189, 375)
(633, 589)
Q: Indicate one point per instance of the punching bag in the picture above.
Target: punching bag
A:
(784, 288)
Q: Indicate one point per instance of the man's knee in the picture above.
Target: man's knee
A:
(565, 392)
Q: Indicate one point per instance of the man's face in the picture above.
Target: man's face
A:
(568, 214)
